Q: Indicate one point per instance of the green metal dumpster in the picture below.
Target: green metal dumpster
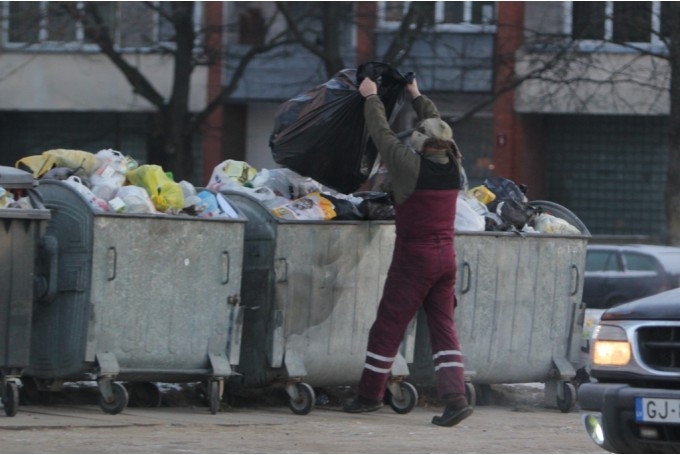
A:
(310, 292)
(20, 233)
(139, 298)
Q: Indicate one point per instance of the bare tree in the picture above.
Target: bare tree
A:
(574, 77)
(174, 125)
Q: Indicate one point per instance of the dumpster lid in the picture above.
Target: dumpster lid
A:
(16, 178)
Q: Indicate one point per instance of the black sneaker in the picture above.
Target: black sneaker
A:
(452, 416)
(361, 404)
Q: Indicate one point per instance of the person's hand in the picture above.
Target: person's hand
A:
(368, 88)
(412, 89)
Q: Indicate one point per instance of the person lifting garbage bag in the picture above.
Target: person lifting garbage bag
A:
(423, 269)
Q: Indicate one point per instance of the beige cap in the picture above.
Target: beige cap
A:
(431, 128)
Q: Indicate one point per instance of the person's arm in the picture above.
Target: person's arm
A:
(402, 164)
(425, 108)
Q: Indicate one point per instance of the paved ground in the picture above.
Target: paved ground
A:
(522, 426)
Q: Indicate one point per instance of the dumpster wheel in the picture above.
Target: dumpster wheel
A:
(566, 403)
(470, 394)
(303, 402)
(10, 398)
(405, 399)
(119, 401)
(214, 396)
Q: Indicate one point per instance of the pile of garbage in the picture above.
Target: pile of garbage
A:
(111, 182)
(291, 196)
(11, 200)
(114, 183)
(497, 205)
(501, 205)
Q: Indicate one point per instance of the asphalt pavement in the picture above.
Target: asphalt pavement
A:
(523, 426)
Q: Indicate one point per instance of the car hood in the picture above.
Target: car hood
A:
(664, 306)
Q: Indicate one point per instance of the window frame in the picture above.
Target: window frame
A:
(606, 44)
(465, 27)
(79, 44)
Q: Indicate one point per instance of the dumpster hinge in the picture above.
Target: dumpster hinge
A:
(565, 370)
(108, 364)
(220, 366)
(400, 367)
(295, 366)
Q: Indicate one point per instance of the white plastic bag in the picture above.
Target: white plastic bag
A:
(291, 185)
(549, 224)
(134, 199)
(111, 170)
(231, 171)
(467, 218)
(98, 204)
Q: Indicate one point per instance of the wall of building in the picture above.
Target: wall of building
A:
(84, 82)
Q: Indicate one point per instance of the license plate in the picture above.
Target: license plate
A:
(665, 410)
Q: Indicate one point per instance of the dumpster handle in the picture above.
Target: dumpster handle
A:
(578, 279)
(50, 247)
(112, 259)
(467, 275)
(225, 267)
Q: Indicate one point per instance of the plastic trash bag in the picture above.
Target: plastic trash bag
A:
(231, 171)
(98, 204)
(310, 207)
(376, 205)
(113, 167)
(132, 199)
(549, 224)
(510, 203)
(344, 209)
(81, 162)
(321, 134)
(467, 218)
(288, 184)
(165, 193)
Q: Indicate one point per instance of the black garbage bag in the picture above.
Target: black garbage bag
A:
(511, 203)
(344, 209)
(320, 134)
(376, 205)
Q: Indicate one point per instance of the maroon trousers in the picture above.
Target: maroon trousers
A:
(422, 273)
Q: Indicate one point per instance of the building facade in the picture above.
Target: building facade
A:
(585, 128)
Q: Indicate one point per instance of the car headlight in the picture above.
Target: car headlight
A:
(610, 346)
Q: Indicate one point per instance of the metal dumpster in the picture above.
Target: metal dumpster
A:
(20, 233)
(140, 297)
(310, 292)
(519, 310)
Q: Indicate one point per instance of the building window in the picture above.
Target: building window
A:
(131, 25)
(617, 22)
(456, 16)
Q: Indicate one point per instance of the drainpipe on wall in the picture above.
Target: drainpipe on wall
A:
(212, 129)
(517, 150)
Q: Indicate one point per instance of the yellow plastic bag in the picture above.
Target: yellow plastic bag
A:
(85, 163)
(38, 165)
(166, 194)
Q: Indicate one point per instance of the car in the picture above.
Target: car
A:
(633, 403)
(621, 273)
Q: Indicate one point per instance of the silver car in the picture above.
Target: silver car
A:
(616, 274)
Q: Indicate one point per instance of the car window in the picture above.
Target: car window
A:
(640, 262)
(601, 261)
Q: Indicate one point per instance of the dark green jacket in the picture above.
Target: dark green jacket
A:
(400, 160)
